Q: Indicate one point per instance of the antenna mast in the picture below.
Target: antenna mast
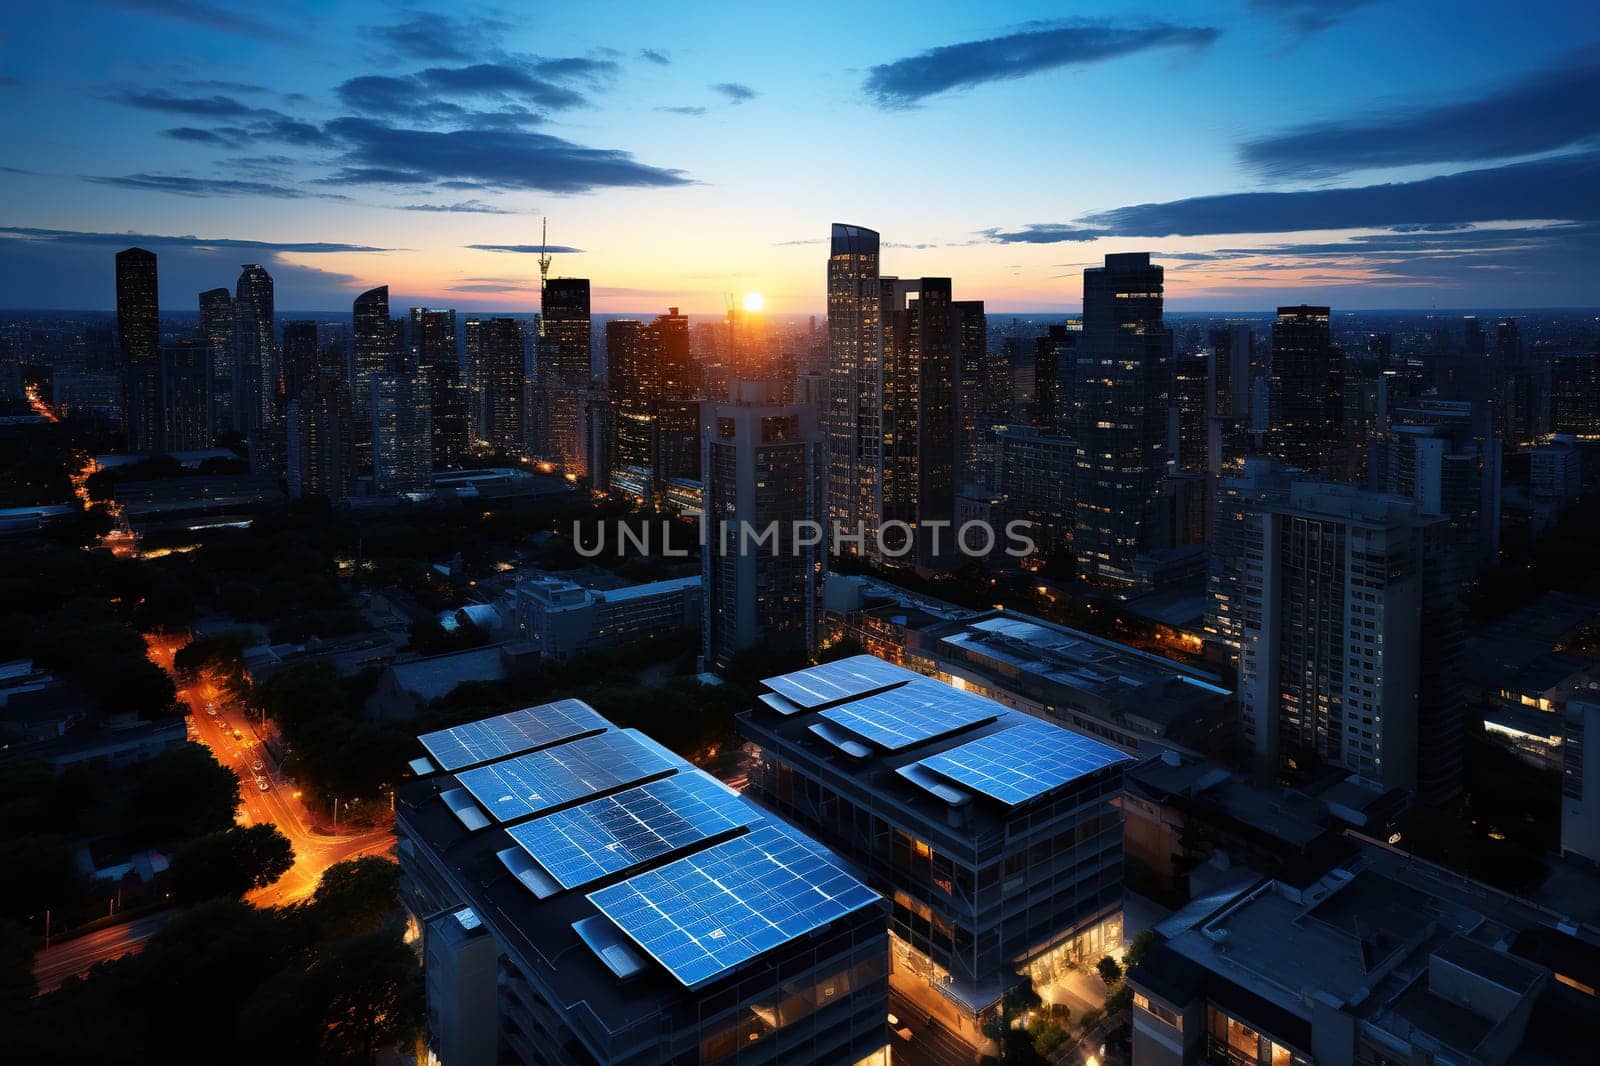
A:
(544, 266)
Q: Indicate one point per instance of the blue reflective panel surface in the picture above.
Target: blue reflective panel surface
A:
(540, 780)
(912, 713)
(1025, 761)
(839, 680)
(508, 734)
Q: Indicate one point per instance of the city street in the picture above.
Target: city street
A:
(929, 1045)
(315, 849)
(72, 957)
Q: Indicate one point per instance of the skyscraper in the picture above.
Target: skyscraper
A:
(1575, 395)
(633, 379)
(256, 386)
(300, 357)
(563, 369)
(138, 334)
(918, 363)
(501, 382)
(402, 430)
(1121, 393)
(432, 338)
(854, 430)
(763, 465)
(321, 443)
(373, 349)
(1307, 424)
(972, 332)
(216, 331)
(184, 406)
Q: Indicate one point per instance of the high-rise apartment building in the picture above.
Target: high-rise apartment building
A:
(972, 341)
(1437, 454)
(499, 386)
(763, 466)
(1307, 419)
(402, 431)
(915, 481)
(431, 335)
(563, 370)
(854, 429)
(301, 357)
(216, 332)
(373, 348)
(138, 336)
(1350, 638)
(1121, 392)
(256, 372)
(321, 439)
(1575, 395)
(184, 397)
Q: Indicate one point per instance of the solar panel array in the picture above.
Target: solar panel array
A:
(838, 680)
(1025, 761)
(706, 913)
(912, 713)
(540, 780)
(509, 734)
(587, 842)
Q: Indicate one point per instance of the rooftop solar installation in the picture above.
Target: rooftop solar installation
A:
(511, 734)
(540, 780)
(706, 913)
(841, 680)
(1018, 764)
(587, 842)
(912, 713)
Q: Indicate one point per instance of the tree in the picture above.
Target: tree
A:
(1119, 999)
(1110, 972)
(41, 873)
(1015, 1044)
(230, 863)
(373, 997)
(356, 897)
(17, 948)
(1138, 949)
(183, 793)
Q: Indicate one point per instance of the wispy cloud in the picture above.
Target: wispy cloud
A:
(183, 185)
(690, 110)
(1043, 46)
(653, 56)
(427, 35)
(209, 16)
(1306, 17)
(1544, 111)
(525, 249)
(734, 92)
(157, 240)
(470, 207)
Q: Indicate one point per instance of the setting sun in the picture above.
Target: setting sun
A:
(753, 301)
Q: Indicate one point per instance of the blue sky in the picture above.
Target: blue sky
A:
(1357, 152)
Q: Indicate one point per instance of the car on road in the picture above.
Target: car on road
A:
(237, 735)
(256, 766)
(212, 711)
(262, 784)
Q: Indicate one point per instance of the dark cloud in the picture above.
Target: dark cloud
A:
(154, 240)
(1548, 110)
(690, 110)
(735, 92)
(584, 68)
(526, 249)
(1044, 46)
(1306, 17)
(507, 79)
(220, 138)
(211, 85)
(1564, 188)
(183, 185)
(218, 106)
(374, 176)
(8, 82)
(501, 158)
(470, 207)
(659, 58)
(494, 286)
(227, 19)
(426, 35)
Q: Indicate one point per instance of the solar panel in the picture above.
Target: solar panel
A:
(830, 682)
(1025, 761)
(510, 734)
(706, 913)
(587, 842)
(912, 713)
(540, 780)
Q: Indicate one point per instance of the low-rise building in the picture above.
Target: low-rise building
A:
(561, 618)
(587, 897)
(1380, 958)
(995, 834)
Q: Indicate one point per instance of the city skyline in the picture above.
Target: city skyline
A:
(1323, 151)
